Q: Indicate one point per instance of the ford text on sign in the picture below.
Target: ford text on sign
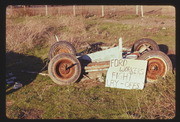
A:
(126, 74)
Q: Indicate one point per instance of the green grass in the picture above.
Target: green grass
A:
(110, 32)
(41, 98)
(98, 102)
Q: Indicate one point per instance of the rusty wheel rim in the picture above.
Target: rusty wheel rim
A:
(156, 67)
(59, 50)
(64, 69)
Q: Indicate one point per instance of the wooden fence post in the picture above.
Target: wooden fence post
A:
(58, 10)
(141, 9)
(74, 10)
(46, 10)
(102, 11)
(136, 9)
(24, 7)
(142, 12)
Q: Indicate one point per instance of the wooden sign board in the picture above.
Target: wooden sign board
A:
(126, 74)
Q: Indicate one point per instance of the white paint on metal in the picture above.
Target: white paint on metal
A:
(132, 56)
(105, 55)
(120, 48)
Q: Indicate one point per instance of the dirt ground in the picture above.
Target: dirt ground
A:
(147, 21)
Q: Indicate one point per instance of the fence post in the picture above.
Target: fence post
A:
(24, 7)
(46, 10)
(74, 10)
(136, 9)
(142, 12)
(58, 10)
(102, 11)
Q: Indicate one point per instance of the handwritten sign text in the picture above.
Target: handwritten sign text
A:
(126, 74)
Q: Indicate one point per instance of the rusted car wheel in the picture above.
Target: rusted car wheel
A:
(61, 47)
(145, 44)
(64, 69)
(158, 65)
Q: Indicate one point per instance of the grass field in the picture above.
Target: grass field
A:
(28, 40)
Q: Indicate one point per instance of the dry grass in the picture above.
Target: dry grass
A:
(25, 30)
(158, 101)
(21, 36)
(85, 10)
(31, 32)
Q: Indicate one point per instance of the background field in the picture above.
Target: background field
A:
(29, 35)
(89, 10)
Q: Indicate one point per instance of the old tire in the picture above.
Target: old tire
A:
(158, 65)
(61, 47)
(64, 69)
(149, 44)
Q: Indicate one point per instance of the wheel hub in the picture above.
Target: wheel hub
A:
(156, 67)
(64, 69)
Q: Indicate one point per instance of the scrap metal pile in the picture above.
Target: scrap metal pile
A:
(66, 66)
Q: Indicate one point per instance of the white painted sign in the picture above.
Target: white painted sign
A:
(126, 74)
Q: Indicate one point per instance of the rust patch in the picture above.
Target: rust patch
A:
(64, 69)
(156, 67)
(60, 50)
(97, 66)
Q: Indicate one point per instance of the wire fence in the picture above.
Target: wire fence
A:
(90, 10)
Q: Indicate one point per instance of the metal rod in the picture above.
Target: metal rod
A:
(120, 48)
(95, 70)
(56, 38)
